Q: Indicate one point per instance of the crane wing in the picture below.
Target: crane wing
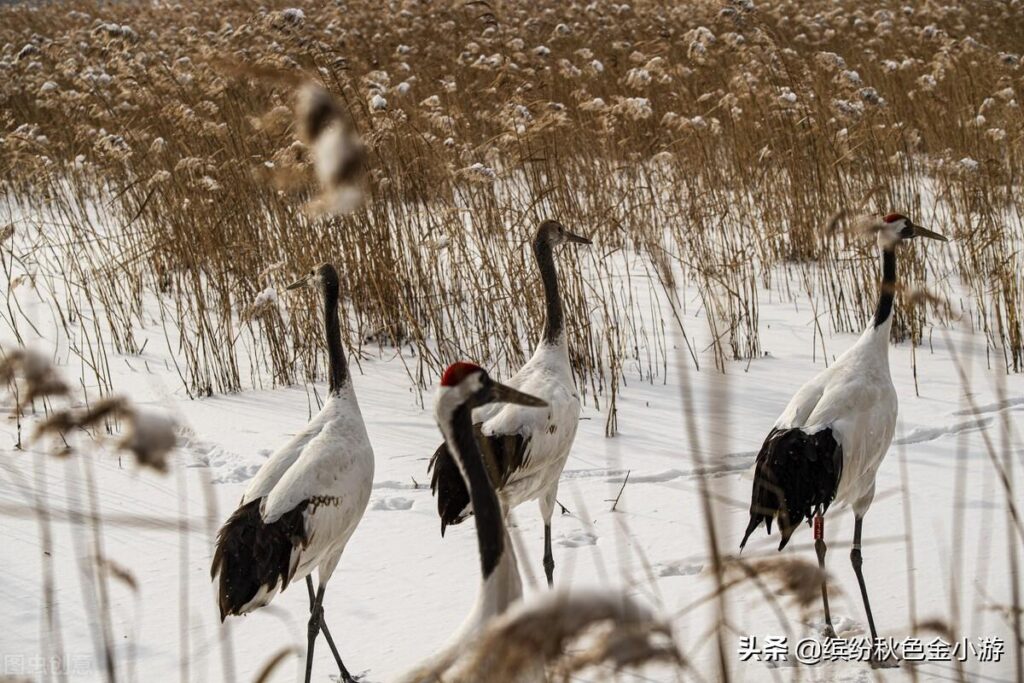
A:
(796, 475)
(504, 455)
(447, 484)
(803, 403)
(282, 459)
(253, 558)
(521, 446)
(336, 464)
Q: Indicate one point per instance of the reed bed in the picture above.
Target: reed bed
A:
(151, 176)
(150, 151)
(149, 161)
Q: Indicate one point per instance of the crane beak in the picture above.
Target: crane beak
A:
(925, 232)
(501, 393)
(298, 284)
(576, 239)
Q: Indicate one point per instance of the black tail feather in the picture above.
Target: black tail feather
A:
(755, 520)
(503, 456)
(251, 554)
(447, 484)
(797, 474)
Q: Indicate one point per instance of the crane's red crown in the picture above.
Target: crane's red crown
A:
(456, 372)
(893, 217)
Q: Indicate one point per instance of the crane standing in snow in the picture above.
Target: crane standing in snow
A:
(525, 450)
(303, 505)
(829, 442)
(498, 640)
(464, 387)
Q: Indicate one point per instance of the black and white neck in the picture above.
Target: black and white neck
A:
(465, 386)
(892, 230)
(501, 585)
(554, 322)
(490, 526)
(337, 366)
(887, 291)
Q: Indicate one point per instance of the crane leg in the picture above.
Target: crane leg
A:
(820, 548)
(346, 677)
(315, 612)
(549, 557)
(858, 562)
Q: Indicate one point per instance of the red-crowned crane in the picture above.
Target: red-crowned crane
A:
(829, 442)
(525, 449)
(306, 500)
(465, 387)
(496, 641)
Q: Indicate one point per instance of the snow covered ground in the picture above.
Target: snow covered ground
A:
(401, 589)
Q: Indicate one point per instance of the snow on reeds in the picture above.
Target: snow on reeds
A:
(724, 137)
(148, 435)
(716, 143)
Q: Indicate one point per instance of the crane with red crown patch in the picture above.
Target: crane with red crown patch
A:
(525, 450)
(828, 443)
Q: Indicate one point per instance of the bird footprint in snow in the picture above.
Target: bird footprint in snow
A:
(845, 627)
(680, 568)
(577, 539)
(392, 503)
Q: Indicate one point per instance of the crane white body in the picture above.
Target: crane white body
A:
(329, 463)
(526, 451)
(549, 433)
(498, 591)
(497, 641)
(465, 386)
(827, 445)
(305, 502)
(855, 397)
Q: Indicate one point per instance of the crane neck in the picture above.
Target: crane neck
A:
(554, 322)
(490, 525)
(337, 366)
(887, 292)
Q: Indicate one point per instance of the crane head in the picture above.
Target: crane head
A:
(896, 227)
(468, 384)
(554, 233)
(318, 277)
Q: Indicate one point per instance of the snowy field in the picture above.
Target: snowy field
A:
(401, 589)
(167, 168)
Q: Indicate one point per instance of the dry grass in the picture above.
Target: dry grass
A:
(149, 436)
(75, 431)
(151, 151)
(149, 160)
(563, 633)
